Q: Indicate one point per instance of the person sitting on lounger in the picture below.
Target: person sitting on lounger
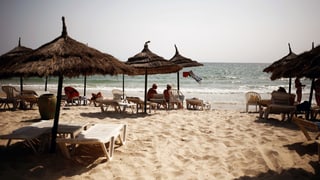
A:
(282, 89)
(168, 96)
(152, 91)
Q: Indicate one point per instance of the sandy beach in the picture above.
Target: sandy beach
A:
(175, 144)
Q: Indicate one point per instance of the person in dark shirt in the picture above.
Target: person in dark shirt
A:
(152, 91)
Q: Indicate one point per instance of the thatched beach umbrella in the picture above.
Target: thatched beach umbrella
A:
(147, 62)
(296, 66)
(304, 65)
(66, 57)
(314, 70)
(310, 66)
(183, 62)
(310, 63)
(280, 64)
(9, 59)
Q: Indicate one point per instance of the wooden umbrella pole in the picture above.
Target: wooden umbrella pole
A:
(310, 99)
(178, 81)
(21, 84)
(290, 79)
(85, 85)
(46, 84)
(145, 91)
(123, 86)
(56, 116)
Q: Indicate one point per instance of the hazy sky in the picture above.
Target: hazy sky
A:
(204, 30)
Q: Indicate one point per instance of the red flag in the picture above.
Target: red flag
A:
(185, 74)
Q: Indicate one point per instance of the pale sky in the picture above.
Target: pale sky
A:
(203, 30)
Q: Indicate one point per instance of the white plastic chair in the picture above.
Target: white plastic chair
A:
(252, 98)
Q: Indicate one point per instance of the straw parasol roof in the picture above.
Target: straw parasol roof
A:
(65, 56)
(154, 64)
(12, 57)
(304, 65)
(70, 58)
(297, 66)
(9, 59)
(278, 66)
(183, 61)
(281, 62)
(314, 70)
(310, 63)
(147, 62)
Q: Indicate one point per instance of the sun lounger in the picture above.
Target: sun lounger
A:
(29, 97)
(281, 103)
(103, 135)
(118, 94)
(178, 94)
(73, 96)
(197, 104)
(140, 103)
(118, 106)
(106, 103)
(306, 126)
(32, 133)
(159, 99)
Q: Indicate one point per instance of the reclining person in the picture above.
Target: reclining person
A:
(95, 97)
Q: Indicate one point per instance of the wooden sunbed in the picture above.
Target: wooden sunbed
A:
(140, 103)
(29, 97)
(281, 103)
(306, 126)
(159, 99)
(197, 104)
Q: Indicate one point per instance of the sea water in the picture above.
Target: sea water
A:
(223, 85)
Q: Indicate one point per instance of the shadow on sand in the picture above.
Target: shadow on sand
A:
(20, 162)
(301, 149)
(293, 173)
(278, 123)
(112, 114)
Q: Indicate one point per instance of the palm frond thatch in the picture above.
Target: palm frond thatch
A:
(183, 61)
(281, 62)
(300, 66)
(70, 58)
(12, 57)
(154, 64)
(66, 57)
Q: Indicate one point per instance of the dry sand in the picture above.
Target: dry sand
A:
(176, 144)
